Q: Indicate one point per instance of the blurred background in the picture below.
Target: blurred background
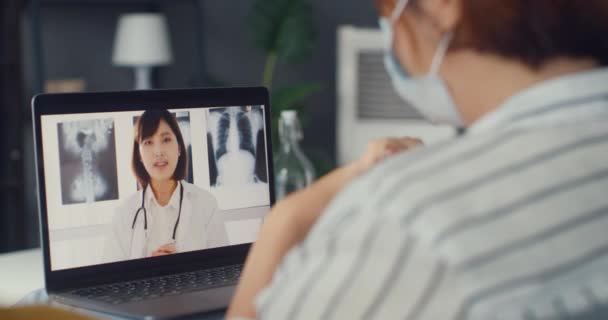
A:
(323, 58)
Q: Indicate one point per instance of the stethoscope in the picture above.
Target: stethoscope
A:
(143, 208)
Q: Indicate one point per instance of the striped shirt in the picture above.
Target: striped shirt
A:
(509, 221)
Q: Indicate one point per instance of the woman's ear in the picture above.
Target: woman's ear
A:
(385, 7)
(445, 14)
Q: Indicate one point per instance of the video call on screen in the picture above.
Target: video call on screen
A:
(90, 184)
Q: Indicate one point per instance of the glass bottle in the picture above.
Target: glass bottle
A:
(293, 170)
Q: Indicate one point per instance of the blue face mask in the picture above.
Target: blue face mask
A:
(428, 94)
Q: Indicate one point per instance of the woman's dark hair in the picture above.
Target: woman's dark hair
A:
(145, 127)
(534, 31)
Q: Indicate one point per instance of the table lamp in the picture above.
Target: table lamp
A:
(142, 42)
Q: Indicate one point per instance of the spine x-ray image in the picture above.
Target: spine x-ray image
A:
(87, 152)
(236, 148)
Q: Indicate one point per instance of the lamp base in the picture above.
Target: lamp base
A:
(143, 78)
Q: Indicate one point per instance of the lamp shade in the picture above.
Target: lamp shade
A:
(142, 39)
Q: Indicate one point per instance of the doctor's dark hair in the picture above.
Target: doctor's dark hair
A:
(531, 31)
(145, 127)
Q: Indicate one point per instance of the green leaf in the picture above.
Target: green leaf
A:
(290, 97)
(284, 28)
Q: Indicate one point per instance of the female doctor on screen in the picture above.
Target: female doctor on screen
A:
(167, 215)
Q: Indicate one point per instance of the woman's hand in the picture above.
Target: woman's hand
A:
(380, 149)
(165, 249)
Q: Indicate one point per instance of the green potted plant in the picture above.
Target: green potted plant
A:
(284, 30)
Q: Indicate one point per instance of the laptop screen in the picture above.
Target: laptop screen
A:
(147, 183)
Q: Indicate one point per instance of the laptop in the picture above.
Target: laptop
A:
(149, 200)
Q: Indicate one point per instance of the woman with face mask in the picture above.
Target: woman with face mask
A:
(505, 221)
(167, 215)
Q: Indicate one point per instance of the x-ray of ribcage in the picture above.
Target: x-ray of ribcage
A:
(235, 139)
(87, 152)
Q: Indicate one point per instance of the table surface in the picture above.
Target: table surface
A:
(22, 273)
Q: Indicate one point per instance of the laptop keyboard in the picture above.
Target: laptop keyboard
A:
(152, 288)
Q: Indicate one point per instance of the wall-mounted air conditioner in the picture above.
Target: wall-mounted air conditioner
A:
(368, 107)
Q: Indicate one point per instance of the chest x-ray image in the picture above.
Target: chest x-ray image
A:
(87, 154)
(236, 148)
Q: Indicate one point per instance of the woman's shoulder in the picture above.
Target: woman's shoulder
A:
(198, 192)
(132, 201)
(127, 208)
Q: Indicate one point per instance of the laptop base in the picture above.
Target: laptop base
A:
(190, 303)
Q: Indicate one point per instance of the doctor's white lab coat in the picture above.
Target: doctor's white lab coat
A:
(200, 226)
